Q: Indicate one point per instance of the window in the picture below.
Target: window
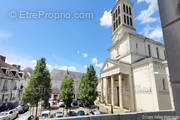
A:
(119, 20)
(118, 10)
(130, 11)
(124, 8)
(164, 84)
(113, 17)
(136, 45)
(128, 20)
(125, 19)
(127, 9)
(131, 21)
(157, 51)
(116, 23)
(116, 13)
(14, 73)
(4, 71)
(149, 50)
(114, 26)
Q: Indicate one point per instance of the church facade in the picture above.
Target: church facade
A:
(136, 75)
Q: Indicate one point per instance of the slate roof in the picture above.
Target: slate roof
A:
(60, 74)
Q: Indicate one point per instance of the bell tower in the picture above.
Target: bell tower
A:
(122, 19)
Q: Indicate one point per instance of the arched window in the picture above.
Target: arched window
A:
(114, 26)
(113, 16)
(130, 11)
(116, 13)
(124, 9)
(119, 20)
(125, 19)
(149, 50)
(157, 51)
(127, 9)
(128, 20)
(116, 23)
(118, 10)
(131, 21)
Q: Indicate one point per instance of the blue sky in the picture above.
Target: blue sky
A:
(67, 43)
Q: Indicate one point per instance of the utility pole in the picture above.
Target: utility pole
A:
(170, 19)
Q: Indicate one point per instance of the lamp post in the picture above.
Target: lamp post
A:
(170, 19)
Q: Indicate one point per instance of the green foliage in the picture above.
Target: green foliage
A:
(67, 91)
(6, 118)
(39, 85)
(87, 88)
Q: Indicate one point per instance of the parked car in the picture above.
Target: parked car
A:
(58, 115)
(74, 103)
(80, 103)
(52, 102)
(86, 104)
(27, 117)
(71, 113)
(9, 106)
(94, 112)
(81, 113)
(22, 108)
(45, 115)
(61, 103)
(12, 114)
(2, 107)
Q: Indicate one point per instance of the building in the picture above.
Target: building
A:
(12, 80)
(136, 76)
(57, 76)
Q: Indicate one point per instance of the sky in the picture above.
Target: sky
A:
(69, 34)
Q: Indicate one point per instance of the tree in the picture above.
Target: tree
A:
(67, 91)
(87, 88)
(38, 87)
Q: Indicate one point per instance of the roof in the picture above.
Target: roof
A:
(4, 65)
(60, 74)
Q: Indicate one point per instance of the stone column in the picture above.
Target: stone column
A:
(112, 90)
(170, 19)
(102, 89)
(120, 91)
(132, 99)
(106, 90)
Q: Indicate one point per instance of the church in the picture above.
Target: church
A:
(135, 77)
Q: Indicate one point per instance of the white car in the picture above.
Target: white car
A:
(61, 103)
(45, 115)
(58, 115)
(12, 114)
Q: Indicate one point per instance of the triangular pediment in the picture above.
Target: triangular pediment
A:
(108, 64)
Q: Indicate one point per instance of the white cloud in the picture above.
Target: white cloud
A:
(156, 33)
(146, 15)
(85, 55)
(153, 32)
(4, 34)
(95, 61)
(106, 19)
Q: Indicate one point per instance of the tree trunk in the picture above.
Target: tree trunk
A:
(36, 110)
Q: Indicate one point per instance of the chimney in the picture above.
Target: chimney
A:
(3, 58)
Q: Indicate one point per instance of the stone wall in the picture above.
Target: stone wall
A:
(164, 115)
